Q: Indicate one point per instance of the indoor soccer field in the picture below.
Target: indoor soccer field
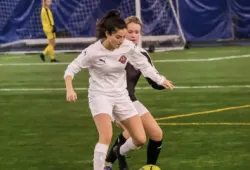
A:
(205, 119)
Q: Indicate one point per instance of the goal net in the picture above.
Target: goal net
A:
(75, 21)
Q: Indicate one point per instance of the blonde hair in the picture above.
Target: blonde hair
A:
(133, 19)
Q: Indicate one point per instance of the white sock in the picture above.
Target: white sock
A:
(128, 146)
(100, 153)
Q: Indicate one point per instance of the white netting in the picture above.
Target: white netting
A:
(6, 9)
(33, 28)
(162, 21)
(79, 21)
(76, 22)
(127, 7)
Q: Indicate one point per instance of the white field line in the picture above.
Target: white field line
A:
(155, 61)
(16, 57)
(214, 51)
(34, 64)
(138, 88)
(203, 59)
(226, 51)
(207, 124)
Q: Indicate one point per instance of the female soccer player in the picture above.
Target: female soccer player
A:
(150, 125)
(106, 61)
(49, 30)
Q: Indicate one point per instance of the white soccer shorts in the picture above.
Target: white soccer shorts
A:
(119, 108)
(141, 109)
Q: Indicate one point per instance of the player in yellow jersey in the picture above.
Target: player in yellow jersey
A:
(49, 29)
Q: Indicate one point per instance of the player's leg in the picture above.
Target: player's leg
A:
(137, 139)
(101, 109)
(47, 48)
(120, 140)
(104, 127)
(111, 158)
(155, 134)
(52, 43)
(50, 47)
(137, 133)
(153, 130)
(44, 53)
(125, 112)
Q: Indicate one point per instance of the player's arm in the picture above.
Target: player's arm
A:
(154, 84)
(45, 21)
(140, 62)
(150, 81)
(71, 95)
(82, 61)
(51, 20)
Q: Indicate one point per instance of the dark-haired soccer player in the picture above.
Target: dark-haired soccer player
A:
(134, 29)
(106, 60)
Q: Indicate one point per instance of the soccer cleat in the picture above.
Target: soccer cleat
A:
(122, 160)
(54, 60)
(42, 57)
(107, 168)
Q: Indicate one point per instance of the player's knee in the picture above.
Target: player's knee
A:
(125, 134)
(157, 135)
(140, 140)
(105, 138)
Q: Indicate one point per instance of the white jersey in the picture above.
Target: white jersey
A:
(107, 68)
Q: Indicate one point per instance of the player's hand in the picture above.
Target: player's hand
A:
(71, 96)
(168, 84)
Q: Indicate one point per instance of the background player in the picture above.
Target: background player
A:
(134, 29)
(49, 30)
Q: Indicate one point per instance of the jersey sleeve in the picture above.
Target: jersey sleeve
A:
(81, 62)
(140, 62)
(150, 81)
(44, 17)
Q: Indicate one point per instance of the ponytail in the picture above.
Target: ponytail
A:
(110, 22)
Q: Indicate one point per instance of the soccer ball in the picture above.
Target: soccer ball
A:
(150, 167)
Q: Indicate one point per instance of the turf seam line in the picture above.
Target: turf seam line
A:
(155, 61)
(137, 88)
(206, 123)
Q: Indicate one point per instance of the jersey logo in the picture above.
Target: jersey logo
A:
(102, 60)
(123, 59)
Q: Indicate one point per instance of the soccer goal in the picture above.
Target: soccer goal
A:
(161, 27)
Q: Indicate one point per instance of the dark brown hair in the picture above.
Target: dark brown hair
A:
(111, 22)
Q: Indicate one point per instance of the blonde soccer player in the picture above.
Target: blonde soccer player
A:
(106, 60)
(134, 29)
(49, 30)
